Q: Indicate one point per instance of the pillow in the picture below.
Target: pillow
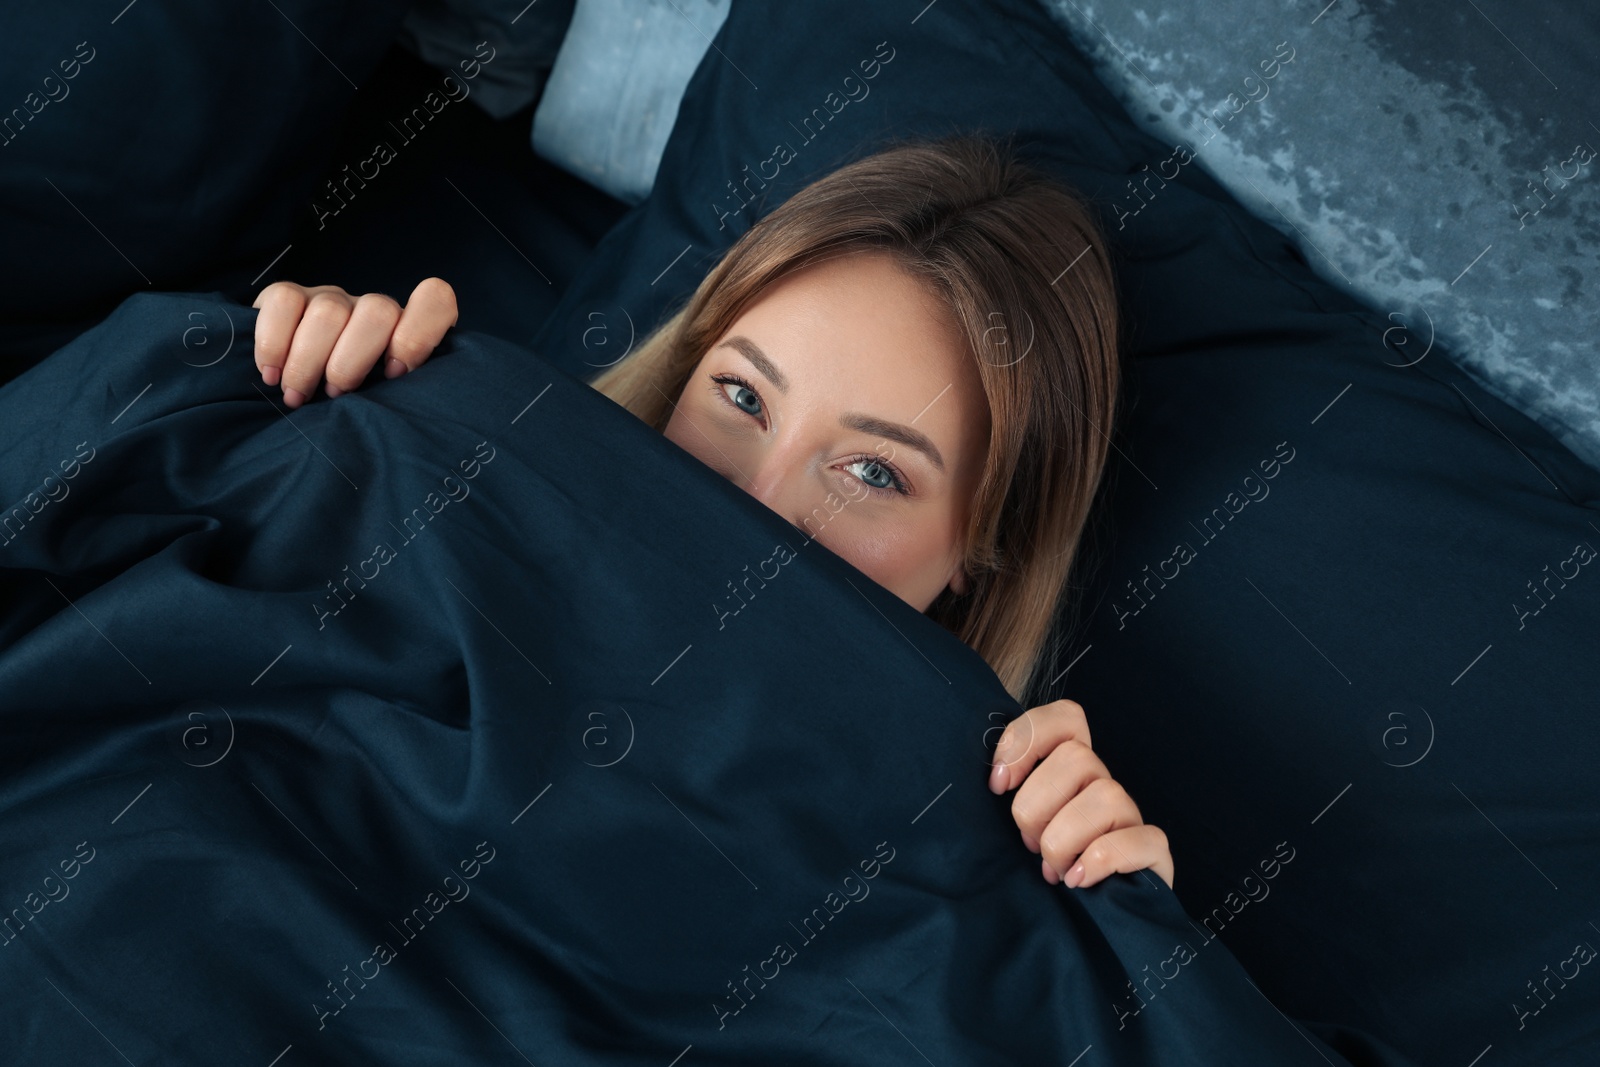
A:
(523, 39)
(614, 92)
(161, 143)
(1314, 538)
(1450, 189)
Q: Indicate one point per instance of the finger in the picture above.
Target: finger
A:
(1130, 849)
(324, 319)
(1032, 736)
(281, 305)
(362, 341)
(1102, 807)
(428, 315)
(1063, 775)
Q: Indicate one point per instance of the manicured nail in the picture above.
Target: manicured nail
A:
(1075, 875)
(271, 375)
(997, 778)
(394, 368)
(332, 390)
(1050, 874)
(293, 397)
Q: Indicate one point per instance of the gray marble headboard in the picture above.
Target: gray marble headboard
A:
(1435, 158)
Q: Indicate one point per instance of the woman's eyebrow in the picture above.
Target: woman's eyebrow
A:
(758, 359)
(850, 420)
(894, 431)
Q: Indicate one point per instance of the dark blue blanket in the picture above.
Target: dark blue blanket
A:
(418, 727)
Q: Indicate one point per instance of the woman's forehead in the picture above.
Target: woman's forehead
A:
(862, 313)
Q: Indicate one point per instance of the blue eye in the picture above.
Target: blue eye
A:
(877, 474)
(741, 395)
(874, 474)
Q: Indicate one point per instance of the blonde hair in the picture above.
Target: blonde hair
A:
(1023, 266)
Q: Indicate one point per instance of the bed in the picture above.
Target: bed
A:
(281, 691)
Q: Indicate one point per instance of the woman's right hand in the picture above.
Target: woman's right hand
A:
(305, 334)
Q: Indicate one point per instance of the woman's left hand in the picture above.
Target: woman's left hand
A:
(1083, 824)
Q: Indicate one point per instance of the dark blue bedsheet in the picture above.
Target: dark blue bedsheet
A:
(402, 728)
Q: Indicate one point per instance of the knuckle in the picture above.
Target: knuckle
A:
(278, 306)
(1022, 812)
(282, 290)
(1076, 751)
(378, 306)
(1067, 706)
(1073, 712)
(436, 289)
(1106, 792)
(407, 347)
(326, 309)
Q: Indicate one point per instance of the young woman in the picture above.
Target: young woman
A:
(914, 361)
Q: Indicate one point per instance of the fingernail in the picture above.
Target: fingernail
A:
(293, 397)
(997, 778)
(1050, 874)
(271, 375)
(1075, 875)
(332, 390)
(1033, 846)
(394, 368)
